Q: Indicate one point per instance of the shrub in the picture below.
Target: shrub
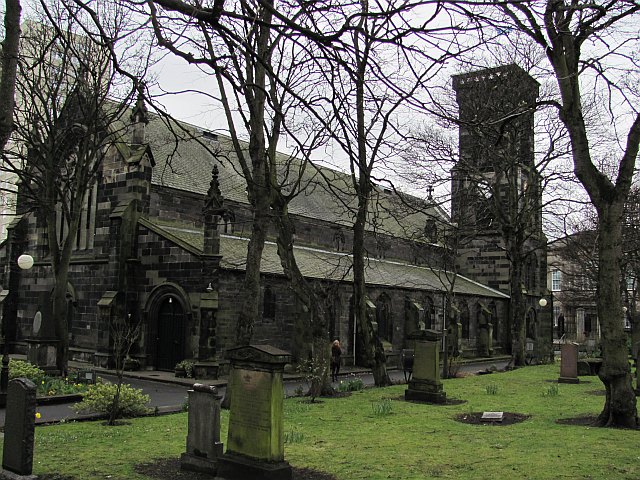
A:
(59, 386)
(188, 367)
(293, 436)
(382, 407)
(552, 391)
(19, 368)
(99, 399)
(492, 389)
(351, 385)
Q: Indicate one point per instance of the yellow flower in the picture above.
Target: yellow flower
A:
(38, 415)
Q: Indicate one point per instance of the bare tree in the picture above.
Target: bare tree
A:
(125, 332)
(71, 104)
(8, 68)
(376, 79)
(585, 44)
(264, 82)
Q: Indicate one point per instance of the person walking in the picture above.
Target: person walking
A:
(336, 352)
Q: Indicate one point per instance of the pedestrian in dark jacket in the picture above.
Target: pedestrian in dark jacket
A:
(336, 352)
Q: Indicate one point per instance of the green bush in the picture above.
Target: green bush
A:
(293, 436)
(351, 385)
(188, 367)
(552, 391)
(99, 399)
(19, 369)
(60, 386)
(382, 407)
(492, 389)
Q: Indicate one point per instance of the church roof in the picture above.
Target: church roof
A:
(185, 164)
(324, 264)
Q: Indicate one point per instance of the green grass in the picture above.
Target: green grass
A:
(348, 438)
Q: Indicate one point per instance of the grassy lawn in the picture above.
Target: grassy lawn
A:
(346, 437)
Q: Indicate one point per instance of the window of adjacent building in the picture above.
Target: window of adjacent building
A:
(86, 228)
(556, 278)
(630, 283)
(556, 313)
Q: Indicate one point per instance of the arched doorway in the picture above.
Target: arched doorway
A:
(170, 320)
(168, 316)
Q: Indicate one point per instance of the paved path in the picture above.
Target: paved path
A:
(169, 394)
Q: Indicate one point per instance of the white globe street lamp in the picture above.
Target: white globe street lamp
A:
(25, 261)
(542, 302)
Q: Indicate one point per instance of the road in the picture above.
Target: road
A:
(165, 395)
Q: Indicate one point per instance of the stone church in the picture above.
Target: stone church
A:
(147, 251)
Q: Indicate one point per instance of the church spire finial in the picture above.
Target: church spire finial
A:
(139, 117)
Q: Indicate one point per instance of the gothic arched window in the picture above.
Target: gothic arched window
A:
(269, 304)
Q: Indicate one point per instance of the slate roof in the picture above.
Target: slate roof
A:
(186, 165)
(323, 264)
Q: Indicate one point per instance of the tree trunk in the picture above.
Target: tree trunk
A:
(620, 405)
(251, 286)
(8, 68)
(518, 316)
(374, 353)
(308, 296)
(59, 313)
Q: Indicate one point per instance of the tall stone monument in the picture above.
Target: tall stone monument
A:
(203, 437)
(425, 384)
(19, 427)
(255, 443)
(569, 363)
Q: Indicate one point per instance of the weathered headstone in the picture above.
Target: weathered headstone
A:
(255, 443)
(569, 363)
(20, 419)
(492, 417)
(203, 437)
(42, 345)
(425, 384)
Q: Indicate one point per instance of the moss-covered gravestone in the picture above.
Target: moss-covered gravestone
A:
(255, 443)
(425, 384)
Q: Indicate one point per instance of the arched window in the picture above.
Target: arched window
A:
(429, 313)
(384, 318)
(494, 320)
(465, 320)
(268, 304)
(532, 326)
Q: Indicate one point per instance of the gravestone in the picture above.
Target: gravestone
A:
(203, 437)
(492, 417)
(255, 442)
(425, 384)
(43, 345)
(20, 419)
(569, 363)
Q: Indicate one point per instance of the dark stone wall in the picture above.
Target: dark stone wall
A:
(186, 209)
